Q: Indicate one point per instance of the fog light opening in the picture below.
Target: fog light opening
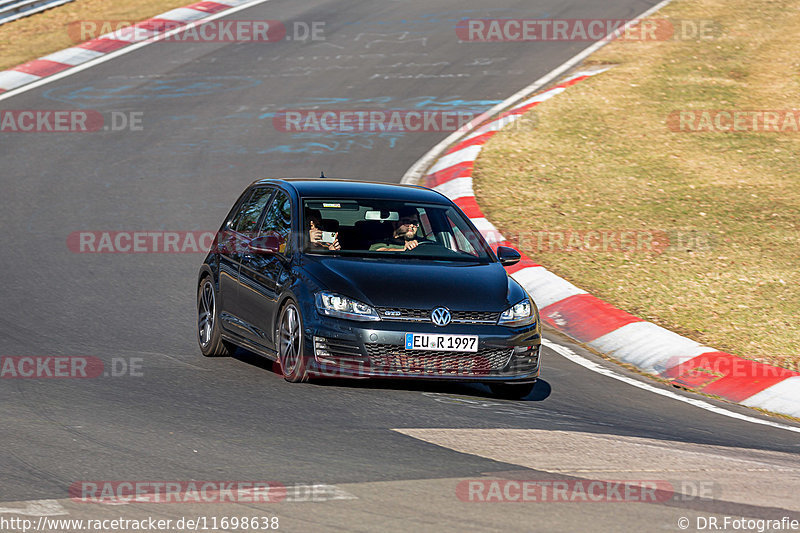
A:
(321, 353)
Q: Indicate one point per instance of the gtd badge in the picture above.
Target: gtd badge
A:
(440, 316)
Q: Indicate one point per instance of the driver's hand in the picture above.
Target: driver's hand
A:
(315, 235)
(335, 244)
(410, 245)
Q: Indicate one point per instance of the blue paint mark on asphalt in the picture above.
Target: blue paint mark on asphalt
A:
(432, 102)
(105, 93)
(340, 143)
(446, 17)
(251, 123)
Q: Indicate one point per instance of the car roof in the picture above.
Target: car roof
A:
(341, 188)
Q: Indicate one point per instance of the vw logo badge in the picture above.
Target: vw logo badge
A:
(440, 316)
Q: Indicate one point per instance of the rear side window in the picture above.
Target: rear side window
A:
(278, 219)
(246, 219)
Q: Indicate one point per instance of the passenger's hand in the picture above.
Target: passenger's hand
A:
(335, 244)
(410, 245)
(315, 235)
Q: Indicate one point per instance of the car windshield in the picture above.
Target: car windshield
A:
(390, 229)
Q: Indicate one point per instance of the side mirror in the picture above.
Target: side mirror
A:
(266, 244)
(508, 256)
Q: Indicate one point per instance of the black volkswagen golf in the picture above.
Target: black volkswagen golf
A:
(336, 278)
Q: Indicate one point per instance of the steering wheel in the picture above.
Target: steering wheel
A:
(422, 243)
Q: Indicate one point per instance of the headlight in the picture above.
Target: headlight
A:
(330, 304)
(520, 314)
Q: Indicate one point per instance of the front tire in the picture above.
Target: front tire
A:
(290, 341)
(512, 391)
(209, 336)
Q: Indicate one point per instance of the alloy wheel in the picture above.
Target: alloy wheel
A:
(205, 314)
(290, 339)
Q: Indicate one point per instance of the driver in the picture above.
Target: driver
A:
(315, 233)
(404, 236)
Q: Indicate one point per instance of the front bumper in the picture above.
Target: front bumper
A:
(345, 348)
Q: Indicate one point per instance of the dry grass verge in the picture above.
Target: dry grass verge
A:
(604, 158)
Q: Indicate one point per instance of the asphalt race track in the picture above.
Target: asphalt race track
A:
(395, 451)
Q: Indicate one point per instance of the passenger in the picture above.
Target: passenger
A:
(404, 236)
(315, 234)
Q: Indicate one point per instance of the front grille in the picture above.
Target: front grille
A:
(475, 317)
(424, 315)
(390, 358)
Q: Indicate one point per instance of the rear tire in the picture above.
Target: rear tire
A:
(290, 344)
(209, 336)
(512, 391)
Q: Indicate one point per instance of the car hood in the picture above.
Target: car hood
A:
(417, 284)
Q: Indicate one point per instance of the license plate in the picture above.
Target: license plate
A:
(442, 343)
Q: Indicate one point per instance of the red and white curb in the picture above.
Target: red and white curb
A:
(598, 324)
(78, 55)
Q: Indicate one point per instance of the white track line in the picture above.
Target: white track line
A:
(594, 367)
(122, 51)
